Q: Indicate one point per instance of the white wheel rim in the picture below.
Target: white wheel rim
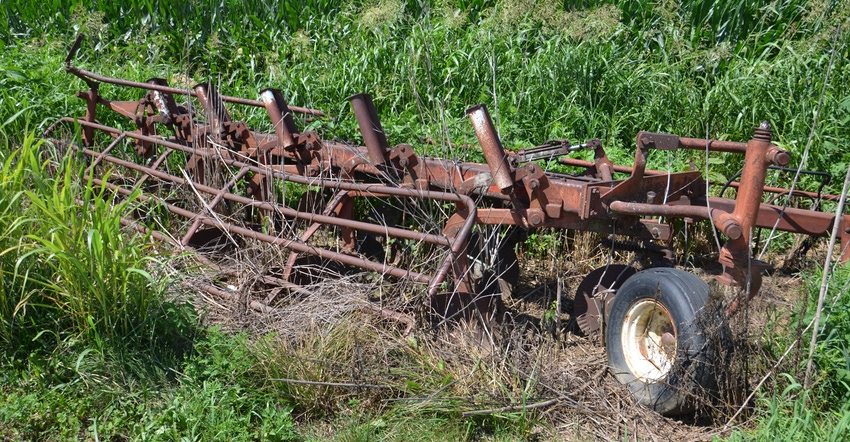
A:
(649, 340)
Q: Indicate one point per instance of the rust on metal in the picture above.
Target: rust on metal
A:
(194, 128)
(370, 127)
(494, 153)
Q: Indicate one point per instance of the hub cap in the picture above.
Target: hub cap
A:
(649, 340)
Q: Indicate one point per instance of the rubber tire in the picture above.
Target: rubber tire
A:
(684, 296)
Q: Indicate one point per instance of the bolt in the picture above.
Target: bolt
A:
(534, 184)
(650, 197)
(535, 219)
(655, 233)
(763, 132)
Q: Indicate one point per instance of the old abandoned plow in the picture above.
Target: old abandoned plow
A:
(186, 156)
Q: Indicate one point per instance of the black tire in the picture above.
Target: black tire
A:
(656, 342)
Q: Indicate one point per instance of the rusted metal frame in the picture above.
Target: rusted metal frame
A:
(213, 107)
(799, 221)
(458, 243)
(722, 219)
(712, 145)
(551, 149)
(217, 199)
(272, 207)
(637, 228)
(370, 127)
(281, 116)
(438, 172)
(266, 307)
(792, 220)
(90, 97)
(491, 146)
(127, 109)
(735, 184)
(653, 188)
(673, 142)
(332, 207)
(740, 269)
(560, 195)
(161, 159)
(747, 202)
(89, 76)
(162, 102)
(632, 185)
(105, 152)
(278, 241)
(374, 190)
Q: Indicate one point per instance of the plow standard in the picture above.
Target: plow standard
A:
(185, 142)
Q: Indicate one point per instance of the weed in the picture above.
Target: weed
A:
(94, 349)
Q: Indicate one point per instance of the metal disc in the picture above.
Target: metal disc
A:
(594, 293)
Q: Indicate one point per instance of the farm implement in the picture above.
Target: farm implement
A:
(222, 184)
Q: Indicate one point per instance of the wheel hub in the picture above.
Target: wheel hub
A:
(649, 340)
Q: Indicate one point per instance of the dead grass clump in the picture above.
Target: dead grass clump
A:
(328, 351)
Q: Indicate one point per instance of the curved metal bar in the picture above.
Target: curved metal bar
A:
(457, 244)
(88, 76)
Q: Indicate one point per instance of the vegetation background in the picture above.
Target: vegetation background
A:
(99, 344)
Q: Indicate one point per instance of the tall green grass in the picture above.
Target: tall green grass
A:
(789, 416)
(70, 269)
(832, 355)
(93, 345)
(16, 288)
(81, 296)
(545, 69)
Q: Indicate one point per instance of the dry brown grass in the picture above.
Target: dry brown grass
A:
(324, 350)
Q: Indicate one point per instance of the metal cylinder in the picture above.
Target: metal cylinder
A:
(752, 180)
(370, 127)
(281, 116)
(494, 153)
(213, 106)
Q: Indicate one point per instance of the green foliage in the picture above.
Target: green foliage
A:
(832, 356)
(220, 397)
(16, 288)
(545, 69)
(82, 300)
(217, 396)
(789, 416)
(73, 268)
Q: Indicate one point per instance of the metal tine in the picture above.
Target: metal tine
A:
(213, 105)
(281, 116)
(494, 153)
(219, 196)
(370, 127)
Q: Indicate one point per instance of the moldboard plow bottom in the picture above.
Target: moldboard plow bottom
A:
(443, 229)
